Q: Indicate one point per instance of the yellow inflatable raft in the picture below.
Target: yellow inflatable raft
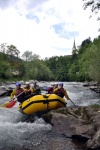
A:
(40, 103)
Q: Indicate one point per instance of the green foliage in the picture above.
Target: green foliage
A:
(4, 70)
(94, 63)
(96, 107)
(73, 71)
(36, 69)
(90, 62)
(82, 65)
(59, 67)
(12, 50)
(27, 56)
(86, 42)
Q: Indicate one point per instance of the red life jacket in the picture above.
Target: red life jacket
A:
(50, 90)
(60, 92)
(18, 91)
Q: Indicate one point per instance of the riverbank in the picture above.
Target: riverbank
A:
(80, 124)
(94, 86)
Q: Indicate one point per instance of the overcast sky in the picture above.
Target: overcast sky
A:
(45, 27)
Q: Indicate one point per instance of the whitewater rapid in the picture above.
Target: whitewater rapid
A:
(15, 134)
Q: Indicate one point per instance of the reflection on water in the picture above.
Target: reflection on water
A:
(15, 135)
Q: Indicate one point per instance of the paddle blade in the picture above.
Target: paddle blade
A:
(5, 104)
(11, 104)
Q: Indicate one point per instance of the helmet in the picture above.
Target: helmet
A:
(61, 84)
(52, 83)
(18, 84)
(56, 83)
(27, 83)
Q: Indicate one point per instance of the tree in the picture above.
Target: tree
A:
(90, 62)
(94, 5)
(35, 57)
(37, 69)
(59, 67)
(3, 48)
(4, 70)
(86, 42)
(13, 51)
(27, 55)
(94, 63)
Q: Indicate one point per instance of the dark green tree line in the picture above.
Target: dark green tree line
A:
(80, 66)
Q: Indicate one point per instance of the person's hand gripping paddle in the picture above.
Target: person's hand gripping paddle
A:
(13, 101)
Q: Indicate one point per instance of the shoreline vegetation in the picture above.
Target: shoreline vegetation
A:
(82, 65)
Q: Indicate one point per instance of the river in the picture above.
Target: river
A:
(17, 135)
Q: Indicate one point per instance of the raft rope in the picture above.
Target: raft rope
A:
(44, 102)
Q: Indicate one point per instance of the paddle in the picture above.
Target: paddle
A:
(13, 101)
(5, 104)
(11, 104)
(72, 102)
(69, 98)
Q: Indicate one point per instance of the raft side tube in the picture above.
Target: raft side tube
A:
(41, 103)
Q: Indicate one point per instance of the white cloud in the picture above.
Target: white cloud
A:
(26, 33)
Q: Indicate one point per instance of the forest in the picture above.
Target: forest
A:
(82, 65)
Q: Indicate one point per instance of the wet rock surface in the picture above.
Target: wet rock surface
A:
(94, 86)
(5, 91)
(81, 124)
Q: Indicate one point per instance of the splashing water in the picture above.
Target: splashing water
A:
(17, 135)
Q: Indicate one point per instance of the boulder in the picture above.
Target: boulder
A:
(81, 124)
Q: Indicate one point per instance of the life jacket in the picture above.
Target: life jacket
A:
(60, 92)
(50, 90)
(28, 90)
(18, 91)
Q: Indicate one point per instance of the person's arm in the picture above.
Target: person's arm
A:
(66, 95)
(55, 91)
(32, 90)
(28, 91)
(12, 94)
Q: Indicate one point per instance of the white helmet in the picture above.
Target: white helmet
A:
(27, 83)
(52, 83)
(56, 83)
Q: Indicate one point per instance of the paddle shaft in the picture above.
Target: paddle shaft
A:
(13, 101)
(18, 95)
(8, 103)
(69, 99)
(72, 102)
